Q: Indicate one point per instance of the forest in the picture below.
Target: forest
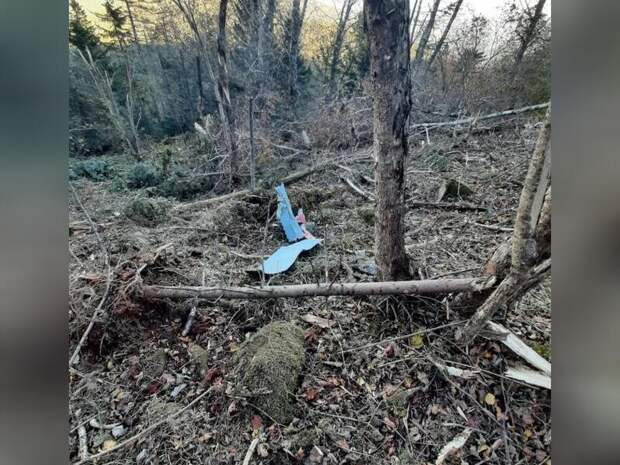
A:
(309, 232)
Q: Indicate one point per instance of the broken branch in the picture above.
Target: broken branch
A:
(291, 178)
(423, 287)
(517, 111)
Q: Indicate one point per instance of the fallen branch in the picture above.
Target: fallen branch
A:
(82, 442)
(517, 111)
(492, 227)
(446, 206)
(535, 378)
(250, 452)
(358, 190)
(453, 446)
(76, 353)
(423, 287)
(520, 348)
(293, 177)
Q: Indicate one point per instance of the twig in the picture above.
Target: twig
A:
(142, 433)
(406, 336)
(542, 106)
(74, 357)
(83, 442)
(193, 311)
(492, 227)
(250, 452)
(357, 189)
(446, 205)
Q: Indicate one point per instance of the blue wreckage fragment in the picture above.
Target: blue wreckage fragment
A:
(285, 215)
(284, 257)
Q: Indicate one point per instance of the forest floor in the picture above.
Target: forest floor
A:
(370, 391)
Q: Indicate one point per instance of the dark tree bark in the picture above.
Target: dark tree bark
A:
(388, 34)
(267, 39)
(442, 39)
(224, 92)
(297, 17)
(345, 12)
(524, 44)
(202, 101)
(419, 54)
(413, 19)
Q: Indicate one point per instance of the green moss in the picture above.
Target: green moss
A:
(544, 350)
(270, 364)
(147, 212)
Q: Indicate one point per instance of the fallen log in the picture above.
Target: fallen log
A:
(423, 287)
(291, 178)
(516, 111)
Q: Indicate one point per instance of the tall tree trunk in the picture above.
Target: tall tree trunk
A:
(388, 35)
(442, 39)
(267, 39)
(296, 24)
(345, 12)
(224, 93)
(526, 40)
(419, 54)
(413, 20)
(202, 101)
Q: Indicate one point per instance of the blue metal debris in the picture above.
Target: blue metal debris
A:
(285, 214)
(284, 257)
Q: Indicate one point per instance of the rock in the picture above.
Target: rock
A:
(270, 363)
(453, 188)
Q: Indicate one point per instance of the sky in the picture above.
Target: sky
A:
(488, 8)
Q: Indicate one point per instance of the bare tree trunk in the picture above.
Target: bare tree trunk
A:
(388, 34)
(526, 40)
(126, 126)
(224, 92)
(202, 101)
(252, 149)
(419, 54)
(345, 12)
(445, 33)
(267, 39)
(134, 139)
(415, 15)
(522, 276)
(296, 25)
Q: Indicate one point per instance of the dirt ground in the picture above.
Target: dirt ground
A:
(369, 391)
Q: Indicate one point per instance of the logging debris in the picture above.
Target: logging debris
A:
(351, 366)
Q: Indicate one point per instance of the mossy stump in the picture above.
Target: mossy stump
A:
(269, 364)
(148, 212)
